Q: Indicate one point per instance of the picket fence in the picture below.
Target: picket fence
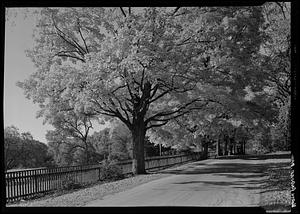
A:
(29, 183)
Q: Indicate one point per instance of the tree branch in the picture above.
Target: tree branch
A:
(123, 109)
(156, 125)
(74, 57)
(87, 50)
(176, 9)
(116, 89)
(181, 110)
(123, 11)
(282, 10)
(62, 35)
(160, 95)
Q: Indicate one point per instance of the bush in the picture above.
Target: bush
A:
(109, 170)
(69, 183)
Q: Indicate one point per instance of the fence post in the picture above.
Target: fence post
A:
(35, 182)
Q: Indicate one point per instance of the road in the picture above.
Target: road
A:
(213, 182)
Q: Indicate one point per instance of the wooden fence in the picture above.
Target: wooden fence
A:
(25, 184)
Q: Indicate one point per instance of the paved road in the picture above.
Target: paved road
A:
(213, 182)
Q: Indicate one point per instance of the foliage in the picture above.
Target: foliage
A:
(150, 66)
(68, 151)
(101, 142)
(22, 151)
(256, 145)
(69, 183)
(121, 141)
(71, 128)
(109, 170)
(277, 63)
(281, 131)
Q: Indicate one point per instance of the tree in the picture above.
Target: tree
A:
(70, 143)
(73, 126)
(101, 142)
(278, 65)
(63, 154)
(145, 67)
(121, 141)
(22, 151)
(12, 147)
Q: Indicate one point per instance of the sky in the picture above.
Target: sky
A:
(18, 110)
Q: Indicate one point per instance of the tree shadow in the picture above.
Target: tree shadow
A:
(221, 183)
(253, 176)
(219, 168)
(258, 157)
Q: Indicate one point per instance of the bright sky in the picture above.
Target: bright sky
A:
(18, 110)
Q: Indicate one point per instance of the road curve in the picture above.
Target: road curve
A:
(213, 182)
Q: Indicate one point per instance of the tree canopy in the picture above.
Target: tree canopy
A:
(148, 66)
(22, 151)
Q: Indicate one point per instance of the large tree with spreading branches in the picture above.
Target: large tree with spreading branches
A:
(144, 66)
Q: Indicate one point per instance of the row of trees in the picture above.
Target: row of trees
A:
(111, 143)
(257, 116)
(181, 75)
(22, 151)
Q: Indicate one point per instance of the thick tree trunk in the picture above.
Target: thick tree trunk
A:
(138, 160)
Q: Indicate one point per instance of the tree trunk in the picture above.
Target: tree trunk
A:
(234, 148)
(138, 160)
(225, 147)
(244, 149)
(231, 141)
(206, 150)
(218, 147)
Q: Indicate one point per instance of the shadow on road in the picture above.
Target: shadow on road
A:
(259, 157)
(244, 174)
(226, 168)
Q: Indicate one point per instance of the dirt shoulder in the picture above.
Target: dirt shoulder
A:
(276, 192)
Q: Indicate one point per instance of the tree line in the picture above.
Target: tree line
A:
(22, 151)
(113, 143)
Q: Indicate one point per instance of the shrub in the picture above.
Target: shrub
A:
(109, 170)
(69, 183)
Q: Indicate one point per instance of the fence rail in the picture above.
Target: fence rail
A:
(25, 184)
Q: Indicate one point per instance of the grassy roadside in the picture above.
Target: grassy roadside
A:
(80, 197)
(276, 193)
